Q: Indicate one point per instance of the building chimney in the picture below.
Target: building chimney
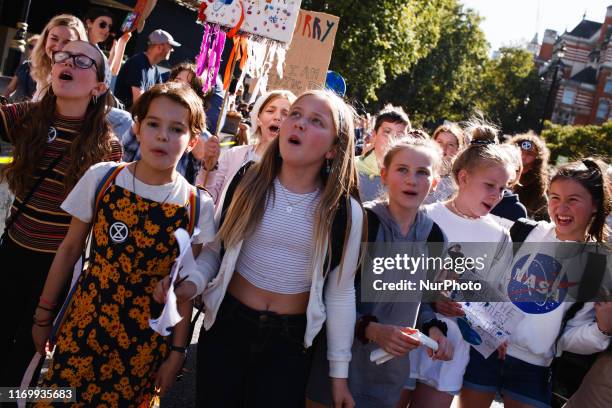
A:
(546, 51)
(607, 23)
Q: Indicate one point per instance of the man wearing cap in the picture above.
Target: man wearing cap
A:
(140, 72)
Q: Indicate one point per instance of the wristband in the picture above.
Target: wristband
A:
(179, 349)
(362, 325)
(45, 308)
(434, 323)
(47, 302)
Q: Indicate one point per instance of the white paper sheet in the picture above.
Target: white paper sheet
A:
(491, 324)
(184, 262)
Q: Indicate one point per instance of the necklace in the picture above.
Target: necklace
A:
(461, 214)
(134, 188)
(290, 205)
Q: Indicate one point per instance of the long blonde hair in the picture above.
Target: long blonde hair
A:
(41, 63)
(246, 209)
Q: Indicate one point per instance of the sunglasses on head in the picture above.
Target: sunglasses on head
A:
(79, 60)
(526, 145)
(104, 24)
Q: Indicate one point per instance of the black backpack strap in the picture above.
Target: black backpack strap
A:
(589, 285)
(436, 235)
(229, 195)
(519, 232)
(592, 277)
(569, 315)
(373, 225)
(231, 189)
(20, 207)
(338, 234)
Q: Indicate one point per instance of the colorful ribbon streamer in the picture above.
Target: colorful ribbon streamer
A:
(209, 58)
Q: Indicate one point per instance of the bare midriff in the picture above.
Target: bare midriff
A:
(261, 299)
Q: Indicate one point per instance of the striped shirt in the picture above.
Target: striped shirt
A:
(42, 224)
(277, 256)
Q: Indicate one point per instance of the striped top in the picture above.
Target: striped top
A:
(277, 256)
(42, 225)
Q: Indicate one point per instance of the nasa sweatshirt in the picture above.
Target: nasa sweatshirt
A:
(543, 274)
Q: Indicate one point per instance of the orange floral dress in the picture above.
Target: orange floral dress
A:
(105, 347)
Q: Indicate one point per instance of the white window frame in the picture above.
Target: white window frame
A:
(602, 109)
(567, 99)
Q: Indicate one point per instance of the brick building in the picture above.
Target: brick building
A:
(582, 61)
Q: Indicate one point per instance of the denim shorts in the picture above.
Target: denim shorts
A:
(513, 378)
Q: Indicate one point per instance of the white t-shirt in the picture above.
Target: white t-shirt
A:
(448, 375)
(81, 200)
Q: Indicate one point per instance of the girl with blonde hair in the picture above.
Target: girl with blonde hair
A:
(290, 234)
(58, 32)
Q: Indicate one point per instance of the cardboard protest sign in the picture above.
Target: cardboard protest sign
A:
(273, 19)
(309, 54)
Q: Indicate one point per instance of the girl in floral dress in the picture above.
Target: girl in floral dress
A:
(105, 347)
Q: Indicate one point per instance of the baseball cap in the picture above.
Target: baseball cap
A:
(162, 37)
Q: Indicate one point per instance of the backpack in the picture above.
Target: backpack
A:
(569, 369)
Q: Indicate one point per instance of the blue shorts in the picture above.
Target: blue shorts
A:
(513, 378)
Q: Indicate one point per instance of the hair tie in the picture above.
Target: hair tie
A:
(481, 142)
(591, 165)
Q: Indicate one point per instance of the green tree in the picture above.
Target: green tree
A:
(378, 39)
(512, 94)
(575, 142)
(444, 84)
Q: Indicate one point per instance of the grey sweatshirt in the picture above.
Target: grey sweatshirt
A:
(380, 386)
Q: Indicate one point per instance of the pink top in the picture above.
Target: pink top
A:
(230, 162)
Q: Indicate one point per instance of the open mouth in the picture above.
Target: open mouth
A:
(274, 129)
(410, 193)
(564, 220)
(294, 140)
(65, 76)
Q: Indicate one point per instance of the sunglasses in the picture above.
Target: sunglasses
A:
(79, 60)
(525, 145)
(104, 24)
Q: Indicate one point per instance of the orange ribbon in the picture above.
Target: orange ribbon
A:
(239, 52)
(231, 33)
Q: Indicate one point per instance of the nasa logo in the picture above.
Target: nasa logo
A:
(537, 285)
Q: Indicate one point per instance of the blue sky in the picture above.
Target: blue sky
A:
(509, 22)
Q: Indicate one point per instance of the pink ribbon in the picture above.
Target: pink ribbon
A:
(202, 58)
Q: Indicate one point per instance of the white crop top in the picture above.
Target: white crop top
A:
(277, 256)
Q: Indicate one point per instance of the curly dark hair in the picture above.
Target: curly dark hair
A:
(534, 181)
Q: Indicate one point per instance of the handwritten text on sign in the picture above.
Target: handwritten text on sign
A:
(309, 54)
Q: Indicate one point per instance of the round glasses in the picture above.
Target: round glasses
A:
(79, 60)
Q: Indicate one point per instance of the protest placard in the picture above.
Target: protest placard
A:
(309, 54)
(270, 19)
